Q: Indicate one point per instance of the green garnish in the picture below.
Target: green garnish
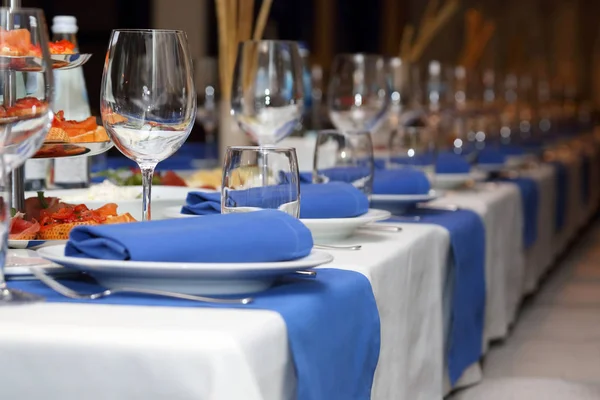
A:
(42, 199)
(13, 212)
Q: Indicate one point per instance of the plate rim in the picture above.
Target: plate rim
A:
(432, 195)
(316, 258)
(378, 215)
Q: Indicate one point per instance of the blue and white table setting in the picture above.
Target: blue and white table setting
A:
(401, 296)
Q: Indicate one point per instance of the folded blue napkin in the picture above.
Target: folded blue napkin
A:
(561, 177)
(328, 200)
(467, 293)
(450, 163)
(419, 160)
(491, 155)
(332, 325)
(401, 181)
(215, 238)
(530, 199)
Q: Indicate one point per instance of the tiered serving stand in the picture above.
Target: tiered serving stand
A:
(48, 150)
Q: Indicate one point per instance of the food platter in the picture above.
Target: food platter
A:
(35, 64)
(61, 150)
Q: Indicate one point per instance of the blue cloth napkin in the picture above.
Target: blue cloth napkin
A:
(332, 325)
(530, 198)
(586, 164)
(468, 293)
(561, 177)
(491, 155)
(400, 181)
(328, 200)
(215, 238)
(450, 163)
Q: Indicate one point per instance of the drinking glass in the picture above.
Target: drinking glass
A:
(267, 97)
(359, 92)
(148, 81)
(414, 147)
(344, 156)
(25, 114)
(245, 187)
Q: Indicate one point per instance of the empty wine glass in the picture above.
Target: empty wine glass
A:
(245, 188)
(346, 157)
(414, 147)
(267, 95)
(25, 114)
(147, 80)
(358, 93)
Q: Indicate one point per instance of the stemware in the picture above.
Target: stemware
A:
(246, 188)
(345, 156)
(267, 95)
(148, 80)
(358, 95)
(25, 114)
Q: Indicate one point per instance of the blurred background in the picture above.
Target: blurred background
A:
(558, 37)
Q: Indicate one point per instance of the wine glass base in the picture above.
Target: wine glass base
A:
(13, 297)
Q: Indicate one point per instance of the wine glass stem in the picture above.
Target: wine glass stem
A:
(5, 205)
(147, 174)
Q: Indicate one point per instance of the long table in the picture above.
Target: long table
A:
(91, 351)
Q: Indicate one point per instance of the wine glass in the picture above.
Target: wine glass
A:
(25, 114)
(245, 188)
(148, 80)
(267, 97)
(344, 156)
(359, 92)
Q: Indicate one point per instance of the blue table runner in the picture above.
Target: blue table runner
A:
(467, 289)
(332, 324)
(530, 199)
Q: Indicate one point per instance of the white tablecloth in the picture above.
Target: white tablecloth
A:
(74, 351)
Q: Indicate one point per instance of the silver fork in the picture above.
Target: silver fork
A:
(332, 247)
(67, 292)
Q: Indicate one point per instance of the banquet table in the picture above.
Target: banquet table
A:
(99, 351)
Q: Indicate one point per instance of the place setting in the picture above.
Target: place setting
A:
(218, 256)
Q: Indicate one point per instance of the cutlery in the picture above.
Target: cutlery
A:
(332, 247)
(67, 292)
(308, 274)
(381, 228)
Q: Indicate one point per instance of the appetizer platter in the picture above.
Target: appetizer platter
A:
(74, 138)
(48, 220)
(18, 53)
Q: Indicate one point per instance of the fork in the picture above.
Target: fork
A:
(70, 293)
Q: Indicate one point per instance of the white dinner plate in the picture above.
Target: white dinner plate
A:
(189, 278)
(330, 229)
(323, 230)
(453, 181)
(18, 263)
(399, 203)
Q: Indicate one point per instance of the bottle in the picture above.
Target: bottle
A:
(70, 95)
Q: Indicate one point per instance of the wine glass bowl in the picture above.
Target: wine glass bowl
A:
(267, 94)
(147, 82)
(358, 95)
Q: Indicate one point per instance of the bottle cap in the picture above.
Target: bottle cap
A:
(64, 24)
